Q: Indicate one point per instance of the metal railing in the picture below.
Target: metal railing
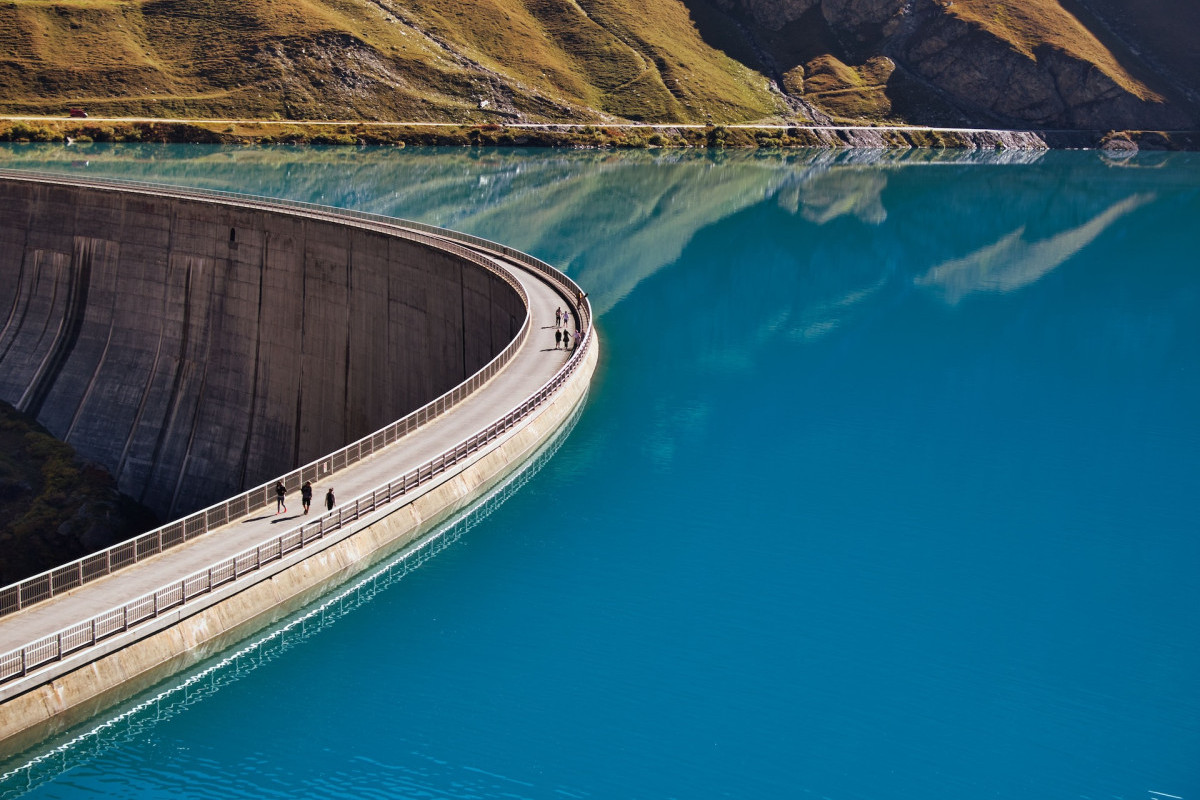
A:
(70, 576)
(56, 646)
(17, 663)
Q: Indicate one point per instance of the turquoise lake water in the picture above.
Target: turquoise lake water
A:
(886, 488)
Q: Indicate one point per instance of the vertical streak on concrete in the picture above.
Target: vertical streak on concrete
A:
(300, 371)
(56, 270)
(17, 295)
(146, 389)
(39, 259)
(80, 272)
(258, 329)
(462, 314)
(87, 392)
(56, 267)
(12, 310)
(187, 452)
(346, 417)
(491, 286)
(206, 340)
(181, 368)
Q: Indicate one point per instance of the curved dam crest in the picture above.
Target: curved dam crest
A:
(93, 633)
(196, 349)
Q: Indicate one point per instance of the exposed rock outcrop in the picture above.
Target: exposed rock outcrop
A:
(987, 68)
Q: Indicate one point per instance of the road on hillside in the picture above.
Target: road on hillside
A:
(528, 125)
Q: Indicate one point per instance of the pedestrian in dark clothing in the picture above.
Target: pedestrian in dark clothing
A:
(329, 499)
(306, 495)
(557, 338)
(280, 491)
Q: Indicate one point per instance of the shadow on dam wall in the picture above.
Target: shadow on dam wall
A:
(197, 349)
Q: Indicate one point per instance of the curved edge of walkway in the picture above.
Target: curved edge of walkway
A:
(80, 683)
(68, 577)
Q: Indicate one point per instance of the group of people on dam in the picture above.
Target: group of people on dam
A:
(306, 493)
(563, 336)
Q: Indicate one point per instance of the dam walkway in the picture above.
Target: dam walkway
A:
(35, 639)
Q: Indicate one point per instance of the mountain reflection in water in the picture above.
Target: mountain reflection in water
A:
(885, 488)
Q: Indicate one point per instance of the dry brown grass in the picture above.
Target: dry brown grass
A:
(849, 92)
(502, 60)
(371, 59)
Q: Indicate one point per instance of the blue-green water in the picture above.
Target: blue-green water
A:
(886, 488)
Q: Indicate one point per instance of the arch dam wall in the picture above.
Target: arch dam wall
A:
(129, 311)
(197, 349)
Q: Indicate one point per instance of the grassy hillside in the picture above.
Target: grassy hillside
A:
(371, 59)
(1043, 63)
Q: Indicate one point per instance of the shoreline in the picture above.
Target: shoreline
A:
(575, 135)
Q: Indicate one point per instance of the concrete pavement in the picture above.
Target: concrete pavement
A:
(530, 368)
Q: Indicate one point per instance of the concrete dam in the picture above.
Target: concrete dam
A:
(196, 349)
(206, 346)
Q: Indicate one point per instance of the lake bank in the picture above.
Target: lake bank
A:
(625, 136)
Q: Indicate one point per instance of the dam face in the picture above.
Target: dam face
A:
(197, 349)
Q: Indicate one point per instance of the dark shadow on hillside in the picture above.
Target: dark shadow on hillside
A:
(809, 62)
(775, 53)
(54, 507)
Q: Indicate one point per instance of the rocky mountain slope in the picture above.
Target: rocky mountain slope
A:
(1076, 64)
(1038, 63)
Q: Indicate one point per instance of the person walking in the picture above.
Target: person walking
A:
(566, 319)
(306, 495)
(558, 316)
(329, 499)
(280, 493)
(557, 338)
